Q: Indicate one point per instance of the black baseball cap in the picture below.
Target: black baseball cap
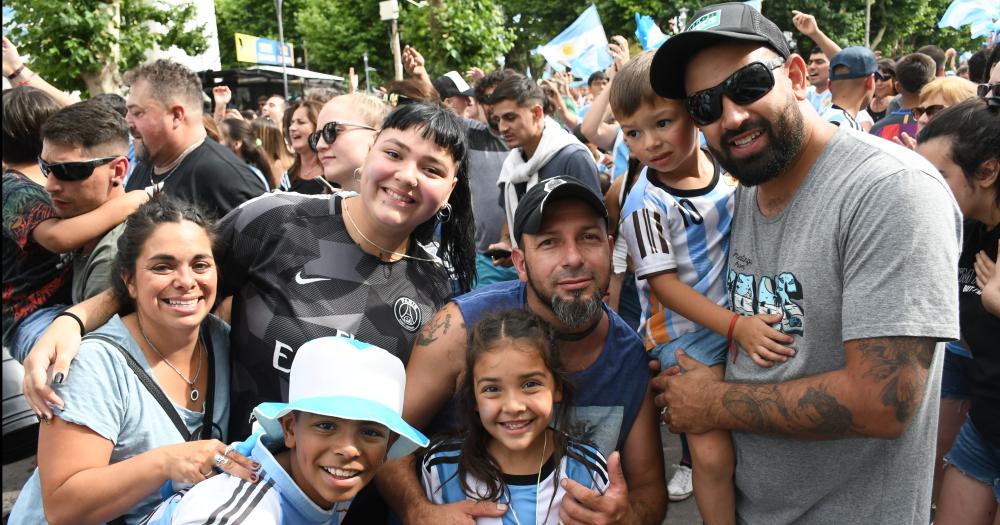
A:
(531, 207)
(709, 26)
(451, 84)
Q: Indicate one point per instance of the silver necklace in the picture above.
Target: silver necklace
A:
(194, 391)
(381, 249)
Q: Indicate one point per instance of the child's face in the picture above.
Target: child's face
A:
(514, 395)
(661, 135)
(331, 458)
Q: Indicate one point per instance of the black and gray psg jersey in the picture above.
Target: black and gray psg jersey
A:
(295, 274)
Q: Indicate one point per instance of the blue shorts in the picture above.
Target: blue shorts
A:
(975, 457)
(31, 328)
(702, 345)
(956, 377)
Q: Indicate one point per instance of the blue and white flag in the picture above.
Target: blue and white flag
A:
(583, 46)
(649, 34)
(970, 12)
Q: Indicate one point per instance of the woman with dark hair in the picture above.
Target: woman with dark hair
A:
(885, 89)
(963, 142)
(271, 141)
(306, 173)
(237, 135)
(107, 452)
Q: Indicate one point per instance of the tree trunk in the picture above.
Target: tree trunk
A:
(108, 78)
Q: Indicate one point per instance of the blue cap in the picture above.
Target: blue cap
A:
(859, 61)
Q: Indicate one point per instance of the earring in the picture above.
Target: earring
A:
(444, 214)
(115, 184)
(357, 173)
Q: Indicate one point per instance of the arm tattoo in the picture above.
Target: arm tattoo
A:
(430, 332)
(901, 364)
(764, 409)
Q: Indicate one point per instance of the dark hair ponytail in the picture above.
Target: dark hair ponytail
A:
(254, 155)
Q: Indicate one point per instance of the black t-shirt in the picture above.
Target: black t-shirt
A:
(981, 331)
(308, 186)
(295, 274)
(211, 176)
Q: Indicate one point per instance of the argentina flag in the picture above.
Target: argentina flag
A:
(583, 46)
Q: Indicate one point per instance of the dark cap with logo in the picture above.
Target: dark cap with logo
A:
(858, 60)
(531, 207)
(709, 26)
(451, 84)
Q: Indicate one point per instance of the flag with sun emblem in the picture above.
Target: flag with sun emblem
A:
(583, 46)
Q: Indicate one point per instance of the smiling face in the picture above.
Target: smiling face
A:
(934, 100)
(330, 458)
(514, 396)
(661, 135)
(72, 198)
(818, 71)
(519, 126)
(175, 278)
(406, 179)
(348, 151)
(275, 109)
(757, 141)
(299, 130)
(883, 88)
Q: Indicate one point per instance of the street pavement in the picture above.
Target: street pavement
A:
(678, 513)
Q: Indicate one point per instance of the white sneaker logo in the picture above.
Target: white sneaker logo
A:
(306, 280)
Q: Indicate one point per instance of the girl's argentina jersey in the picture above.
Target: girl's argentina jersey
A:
(296, 275)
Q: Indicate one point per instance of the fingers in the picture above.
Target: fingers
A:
(575, 508)
(482, 509)
(239, 465)
(686, 362)
(616, 478)
(760, 361)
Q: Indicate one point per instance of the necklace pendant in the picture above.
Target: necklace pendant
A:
(195, 394)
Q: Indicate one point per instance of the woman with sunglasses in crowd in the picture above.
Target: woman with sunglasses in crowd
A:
(306, 173)
(303, 267)
(963, 142)
(105, 454)
(345, 130)
(939, 94)
(885, 89)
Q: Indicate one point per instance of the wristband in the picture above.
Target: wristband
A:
(16, 72)
(729, 336)
(76, 318)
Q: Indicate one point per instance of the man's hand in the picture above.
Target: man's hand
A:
(585, 506)
(413, 61)
(222, 96)
(682, 394)
(904, 139)
(352, 80)
(11, 60)
(990, 286)
(618, 47)
(806, 24)
(461, 513)
(502, 246)
(475, 74)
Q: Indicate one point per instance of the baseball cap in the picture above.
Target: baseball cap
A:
(531, 207)
(709, 26)
(859, 60)
(349, 379)
(451, 84)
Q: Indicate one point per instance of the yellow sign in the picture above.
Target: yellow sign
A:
(259, 50)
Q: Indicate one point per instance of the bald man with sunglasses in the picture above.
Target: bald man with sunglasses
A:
(851, 239)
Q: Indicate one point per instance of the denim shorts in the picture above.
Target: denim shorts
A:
(31, 328)
(956, 377)
(702, 345)
(975, 457)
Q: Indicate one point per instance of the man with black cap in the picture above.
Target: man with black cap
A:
(848, 237)
(852, 81)
(454, 91)
(564, 264)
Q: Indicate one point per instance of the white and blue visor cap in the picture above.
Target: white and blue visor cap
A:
(349, 379)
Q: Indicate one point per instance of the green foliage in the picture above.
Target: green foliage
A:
(257, 18)
(68, 44)
(457, 35)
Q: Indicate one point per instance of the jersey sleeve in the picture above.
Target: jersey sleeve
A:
(241, 240)
(24, 207)
(645, 231)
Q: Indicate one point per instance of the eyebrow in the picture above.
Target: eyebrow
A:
(529, 375)
(426, 158)
(168, 257)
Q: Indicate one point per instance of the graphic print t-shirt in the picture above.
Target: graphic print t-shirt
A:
(295, 275)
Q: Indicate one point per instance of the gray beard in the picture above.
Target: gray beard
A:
(579, 312)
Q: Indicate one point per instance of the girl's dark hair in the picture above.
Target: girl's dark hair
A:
(139, 227)
(446, 130)
(240, 130)
(490, 334)
(973, 126)
(25, 109)
(312, 108)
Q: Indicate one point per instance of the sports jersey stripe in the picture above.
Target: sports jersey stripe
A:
(591, 460)
(439, 460)
(242, 486)
(253, 504)
(244, 501)
(664, 246)
(637, 233)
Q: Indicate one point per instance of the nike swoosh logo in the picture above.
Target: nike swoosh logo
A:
(306, 280)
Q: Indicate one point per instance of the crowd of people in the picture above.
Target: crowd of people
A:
(483, 298)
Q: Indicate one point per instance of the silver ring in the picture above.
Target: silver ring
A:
(664, 409)
(220, 460)
(229, 449)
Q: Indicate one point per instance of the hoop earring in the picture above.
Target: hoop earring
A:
(444, 214)
(115, 184)
(357, 173)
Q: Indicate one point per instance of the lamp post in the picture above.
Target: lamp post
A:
(281, 50)
(368, 88)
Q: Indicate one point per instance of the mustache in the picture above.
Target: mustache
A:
(748, 125)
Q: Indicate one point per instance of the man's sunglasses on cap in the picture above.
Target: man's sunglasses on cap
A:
(746, 86)
(73, 171)
(329, 132)
(919, 111)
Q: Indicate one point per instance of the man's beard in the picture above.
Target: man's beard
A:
(578, 312)
(784, 144)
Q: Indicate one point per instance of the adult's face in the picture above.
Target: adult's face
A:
(348, 151)
(299, 130)
(491, 118)
(754, 142)
(931, 103)
(883, 88)
(818, 71)
(458, 104)
(597, 86)
(148, 119)
(567, 264)
(518, 125)
(275, 109)
(70, 199)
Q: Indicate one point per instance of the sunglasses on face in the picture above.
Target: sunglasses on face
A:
(73, 171)
(880, 76)
(983, 89)
(919, 111)
(746, 86)
(329, 132)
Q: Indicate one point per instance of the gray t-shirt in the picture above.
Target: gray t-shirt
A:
(92, 271)
(103, 394)
(486, 155)
(867, 247)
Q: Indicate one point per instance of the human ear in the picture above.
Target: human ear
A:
(517, 257)
(987, 174)
(795, 69)
(129, 285)
(288, 427)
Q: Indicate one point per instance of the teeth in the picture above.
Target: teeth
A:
(174, 302)
(515, 425)
(341, 473)
(398, 196)
(747, 140)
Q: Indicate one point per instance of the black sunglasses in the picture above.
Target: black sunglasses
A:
(329, 132)
(983, 89)
(882, 76)
(73, 171)
(919, 111)
(746, 86)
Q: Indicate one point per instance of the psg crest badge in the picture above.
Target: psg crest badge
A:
(407, 313)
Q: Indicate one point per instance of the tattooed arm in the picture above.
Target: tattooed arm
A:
(875, 394)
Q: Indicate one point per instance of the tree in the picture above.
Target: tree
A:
(86, 47)
(458, 35)
(257, 18)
